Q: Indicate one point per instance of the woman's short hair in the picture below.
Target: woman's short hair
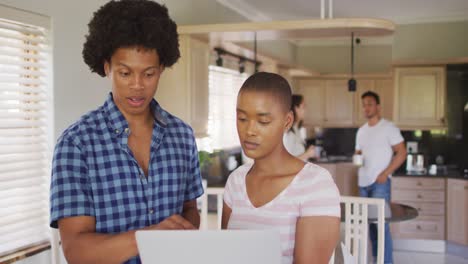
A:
(128, 23)
(270, 83)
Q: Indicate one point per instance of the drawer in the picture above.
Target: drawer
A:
(418, 195)
(420, 228)
(418, 183)
(426, 209)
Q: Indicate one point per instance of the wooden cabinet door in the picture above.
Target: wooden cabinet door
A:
(384, 88)
(457, 211)
(338, 104)
(363, 86)
(420, 97)
(183, 88)
(314, 97)
(199, 62)
(346, 179)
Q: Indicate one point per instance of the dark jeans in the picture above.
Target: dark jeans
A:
(377, 190)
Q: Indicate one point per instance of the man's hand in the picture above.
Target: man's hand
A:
(173, 222)
(382, 178)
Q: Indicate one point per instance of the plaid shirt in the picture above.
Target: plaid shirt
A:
(94, 172)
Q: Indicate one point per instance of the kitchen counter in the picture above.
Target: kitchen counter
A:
(453, 174)
(332, 159)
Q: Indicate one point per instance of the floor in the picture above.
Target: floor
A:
(400, 257)
(411, 257)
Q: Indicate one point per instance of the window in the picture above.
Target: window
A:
(224, 84)
(25, 132)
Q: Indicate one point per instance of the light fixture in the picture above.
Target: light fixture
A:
(219, 60)
(241, 65)
(242, 60)
(352, 84)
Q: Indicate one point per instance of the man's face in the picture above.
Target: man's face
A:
(261, 123)
(370, 107)
(134, 73)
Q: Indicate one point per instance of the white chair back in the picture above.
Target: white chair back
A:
(356, 226)
(204, 206)
(356, 223)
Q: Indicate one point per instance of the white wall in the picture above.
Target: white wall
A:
(76, 89)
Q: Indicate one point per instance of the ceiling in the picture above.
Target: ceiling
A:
(398, 11)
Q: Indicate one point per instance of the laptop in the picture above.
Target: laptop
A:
(209, 246)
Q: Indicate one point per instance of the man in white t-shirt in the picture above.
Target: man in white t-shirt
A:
(383, 149)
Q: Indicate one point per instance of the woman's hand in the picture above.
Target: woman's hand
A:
(309, 153)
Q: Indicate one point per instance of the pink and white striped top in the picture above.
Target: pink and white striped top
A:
(312, 192)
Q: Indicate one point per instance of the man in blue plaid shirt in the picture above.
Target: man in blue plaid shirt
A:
(128, 165)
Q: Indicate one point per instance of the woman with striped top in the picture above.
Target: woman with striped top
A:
(279, 191)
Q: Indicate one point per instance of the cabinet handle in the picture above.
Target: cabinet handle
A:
(419, 184)
(419, 209)
(419, 196)
(418, 227)
(442, 120)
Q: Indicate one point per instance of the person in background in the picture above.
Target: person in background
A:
(383, 149)
(278, 190)
(128, 165)
(294, 138)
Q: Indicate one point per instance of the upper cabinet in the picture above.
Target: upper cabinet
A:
(183, 88)
(384, 88)
(328, 102)
(338, 104)
(420, 94)
(314, 94)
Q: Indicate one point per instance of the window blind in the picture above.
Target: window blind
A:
(24, 133)
(224, 84)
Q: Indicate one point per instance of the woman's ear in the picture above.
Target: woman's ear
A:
(289, 121)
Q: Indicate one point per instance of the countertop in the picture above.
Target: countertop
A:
(452, 174)
(332, 159)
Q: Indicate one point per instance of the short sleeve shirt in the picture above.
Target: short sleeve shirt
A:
(312, 192)
(94, 172)
(294, 141)
(376, 143)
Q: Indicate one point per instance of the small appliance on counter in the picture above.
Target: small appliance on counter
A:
(415, 163)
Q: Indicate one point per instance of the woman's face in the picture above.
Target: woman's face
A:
(261, 123)
(300, 111)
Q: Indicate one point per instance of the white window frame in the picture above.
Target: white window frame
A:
(37, 25)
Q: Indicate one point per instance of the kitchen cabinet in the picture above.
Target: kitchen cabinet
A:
(328, 102)
(384, 88)
(183, 88)
(338, 104)
(457, 211)
(345, 176)
(427, 195)
(314, 94)
(346, 179)
(420, 94)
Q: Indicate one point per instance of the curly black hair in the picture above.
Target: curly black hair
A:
(128, 23)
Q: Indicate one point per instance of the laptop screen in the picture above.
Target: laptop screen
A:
(209, 246)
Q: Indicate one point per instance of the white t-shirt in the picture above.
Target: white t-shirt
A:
(294, 142)
(376, 143)
(312, 192)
